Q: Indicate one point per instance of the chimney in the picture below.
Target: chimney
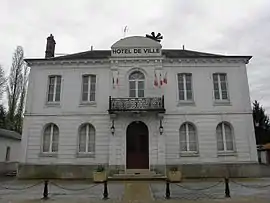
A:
(50, 47)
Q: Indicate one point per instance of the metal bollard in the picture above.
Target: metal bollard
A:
(105, 192)
(227, 188)
(45, 191)
(168, 193)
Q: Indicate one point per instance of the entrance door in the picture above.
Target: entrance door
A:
(137, 147)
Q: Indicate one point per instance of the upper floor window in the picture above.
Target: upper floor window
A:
(88, 88)
(50, 138)
(220, 86)
(224, 137)
(54, 89)
(136, 84)
(86, 138)
(185, 86)
(188, 138)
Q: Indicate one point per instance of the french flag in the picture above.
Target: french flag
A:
(161, 81)
(165, 78)
(117, 79)
(156, 81)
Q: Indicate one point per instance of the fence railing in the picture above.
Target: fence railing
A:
(226, 182)
(45, 192)
(136, 104)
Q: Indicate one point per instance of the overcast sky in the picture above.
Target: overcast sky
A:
(225, 27)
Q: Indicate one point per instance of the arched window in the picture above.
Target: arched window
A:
(188, 138)
(50, 138)
(224, 137)
(136, 84)
(87, 138)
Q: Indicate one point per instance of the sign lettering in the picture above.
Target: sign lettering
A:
(136, 51)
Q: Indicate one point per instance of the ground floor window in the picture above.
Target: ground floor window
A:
(50, 138)
(188, 138)
(87, 138)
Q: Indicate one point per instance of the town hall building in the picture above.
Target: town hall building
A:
(137, 106)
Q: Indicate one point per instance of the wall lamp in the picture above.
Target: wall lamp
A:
(160, 127)
(112, 128)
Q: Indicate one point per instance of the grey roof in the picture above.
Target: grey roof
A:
(10, 134)
(105, 54)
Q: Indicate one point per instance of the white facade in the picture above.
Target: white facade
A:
(202, 111)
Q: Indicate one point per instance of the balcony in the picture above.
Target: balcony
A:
(155, 104)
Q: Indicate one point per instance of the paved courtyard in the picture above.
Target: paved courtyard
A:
(241, 190)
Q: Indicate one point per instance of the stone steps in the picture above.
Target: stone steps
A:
(11, 173)
(137, 174)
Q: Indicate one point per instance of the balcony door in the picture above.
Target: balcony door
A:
(136, 84)
(137, 146)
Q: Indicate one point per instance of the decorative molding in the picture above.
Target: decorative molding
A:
(68, 114)
(148, 113)
(48, 154)
(84, 155)
(226, 153)
(186, 103)
(136, 104)
(88, 104)
(206, 60)
(139, 60)
(206, 113)
(189, 154)
(67, 62)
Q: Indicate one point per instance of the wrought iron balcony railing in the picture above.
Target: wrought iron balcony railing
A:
(136, 104)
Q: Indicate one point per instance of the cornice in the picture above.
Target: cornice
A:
(205, 60)
(171, 113)
(68, 62)
(152, 60)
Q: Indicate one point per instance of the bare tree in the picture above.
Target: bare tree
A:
(14, 87)
(21, 104)
(3, 81)
(3, 115)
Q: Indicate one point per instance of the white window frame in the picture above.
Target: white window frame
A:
(219, 88)
(88, 125)
(224, 141)
(185, 100)
(51, 139)
(188, 151)
(89, 89)
(136, 84)
(54, 88)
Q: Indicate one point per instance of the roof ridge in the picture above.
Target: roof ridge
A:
(79, 53)
(199, 52)
(106, 53)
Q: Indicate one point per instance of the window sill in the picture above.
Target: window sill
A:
(233, 153)
(53, 104)
(222, 103)
(186, 103)
(189, 154)
(85, 155)
(44, 154)
(82, 104)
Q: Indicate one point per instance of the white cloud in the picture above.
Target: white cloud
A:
(231, 27)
